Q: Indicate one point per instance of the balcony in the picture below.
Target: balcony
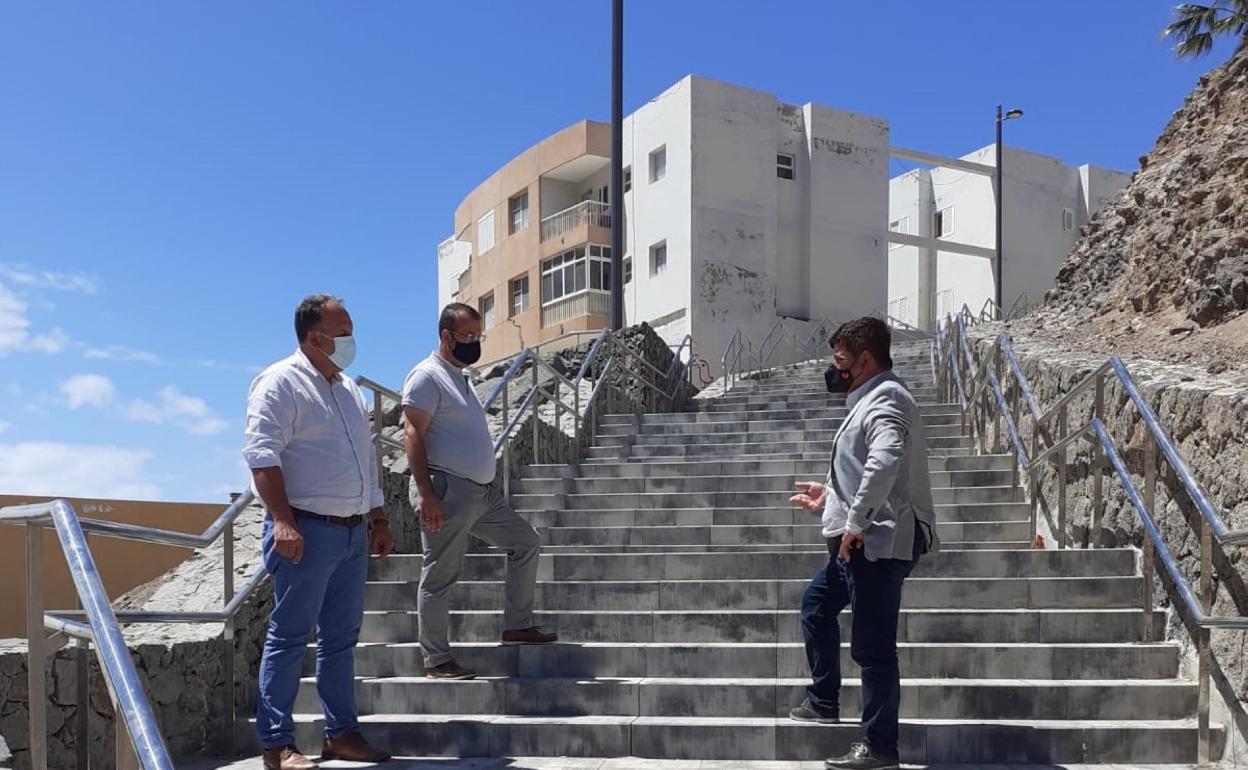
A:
(583, 214)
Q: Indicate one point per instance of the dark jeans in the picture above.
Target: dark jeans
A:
(873, 590)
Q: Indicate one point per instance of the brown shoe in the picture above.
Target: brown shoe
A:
(286, 758)
(534, 635)
(353, 748)
(450, 670)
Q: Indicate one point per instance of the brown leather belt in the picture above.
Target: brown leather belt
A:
(346, 521)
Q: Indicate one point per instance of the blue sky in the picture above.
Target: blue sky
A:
(175, 176)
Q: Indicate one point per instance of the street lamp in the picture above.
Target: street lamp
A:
(617, 165)
(1011, 115)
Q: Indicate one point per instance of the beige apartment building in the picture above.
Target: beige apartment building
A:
(532, 244)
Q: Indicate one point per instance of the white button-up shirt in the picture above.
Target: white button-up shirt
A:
(317, 432)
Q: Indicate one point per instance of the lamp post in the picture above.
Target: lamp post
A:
(1011, 115)
(617, 165)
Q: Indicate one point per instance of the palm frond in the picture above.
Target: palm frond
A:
(1196, 25)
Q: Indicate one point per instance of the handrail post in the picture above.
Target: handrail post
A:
(536, 417)
(377, 447)
(1147, 555)
(998, 428)
(506, 444)
(227, 632)
(123, 748)
(1098, 467)
(1061, 479)
(36, 647)
(1033, 476)
(82, 661)
(1202, 642)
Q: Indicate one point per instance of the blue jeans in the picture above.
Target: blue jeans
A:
(873, 589)
(323, 592)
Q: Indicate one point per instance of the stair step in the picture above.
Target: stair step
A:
(781, 515)
(730, 483)
(764, 697)
(953, 625)
(814, 467)
(744, 739)
(784, 660)
(711, 499)
(736, 594)
(711, 566)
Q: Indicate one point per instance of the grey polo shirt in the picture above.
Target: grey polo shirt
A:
(458, 439)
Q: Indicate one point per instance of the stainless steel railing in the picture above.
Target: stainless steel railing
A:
(985, 401)
(609, 356)
(139, 743)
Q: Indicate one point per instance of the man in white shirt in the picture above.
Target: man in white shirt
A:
(451, 455)
(313, 465)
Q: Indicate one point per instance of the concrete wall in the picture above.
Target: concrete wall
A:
(848, 212)
(122, 564)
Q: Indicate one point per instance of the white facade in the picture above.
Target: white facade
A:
(749, 238)
(1046, 203)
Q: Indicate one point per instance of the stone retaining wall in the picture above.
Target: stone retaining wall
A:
(1207, 417)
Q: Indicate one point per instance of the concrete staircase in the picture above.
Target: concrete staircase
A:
(672, 570)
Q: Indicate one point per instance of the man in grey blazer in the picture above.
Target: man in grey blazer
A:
(878, 518)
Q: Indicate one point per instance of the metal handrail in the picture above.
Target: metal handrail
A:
(134, 713)
(1213, 527)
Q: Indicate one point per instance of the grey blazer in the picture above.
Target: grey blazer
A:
(879, 470)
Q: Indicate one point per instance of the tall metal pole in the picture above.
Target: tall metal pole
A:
(617, 165)
(1000, 276)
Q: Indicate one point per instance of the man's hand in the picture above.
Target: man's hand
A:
(430, 512)
(810, 495)
(288, 541)
(382, 540)
(849, 542)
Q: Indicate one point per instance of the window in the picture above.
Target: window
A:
(604, 194)
(487, 310)
(1068, 220)
(519, 206)
(465, 278)
(942, 225)
(658, 257)
(519, 295)
(658, 164)
(628, 178)
(945, 303)
(585, 268)
(784, 165)
(628, 270)
(899, 226)
(485, 233)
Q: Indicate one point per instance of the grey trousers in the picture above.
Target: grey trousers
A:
(469, 508)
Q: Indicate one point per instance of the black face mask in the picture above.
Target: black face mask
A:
(836, 379)
(467, 353)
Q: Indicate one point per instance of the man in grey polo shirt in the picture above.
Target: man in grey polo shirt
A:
(451, 455)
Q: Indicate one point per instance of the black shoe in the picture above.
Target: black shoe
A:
(860, 757)
(807, 713)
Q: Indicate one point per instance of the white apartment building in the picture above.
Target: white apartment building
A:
(740, 209)
(1046, 204)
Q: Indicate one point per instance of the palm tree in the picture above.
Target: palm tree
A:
(1196, 25)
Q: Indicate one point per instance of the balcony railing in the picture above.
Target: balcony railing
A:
(593, 213)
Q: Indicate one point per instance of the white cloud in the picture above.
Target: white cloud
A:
(25, 275)
(121, 353)
(75, 470)
(89, 390)
(172, 406)
(15, 335)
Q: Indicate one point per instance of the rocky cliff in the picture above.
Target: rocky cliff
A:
(1162, 272)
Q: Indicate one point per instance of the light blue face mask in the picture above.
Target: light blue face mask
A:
(344, 351)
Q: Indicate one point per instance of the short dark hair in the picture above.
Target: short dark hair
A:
(450, 314)
(870, 334)
(310, 312)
